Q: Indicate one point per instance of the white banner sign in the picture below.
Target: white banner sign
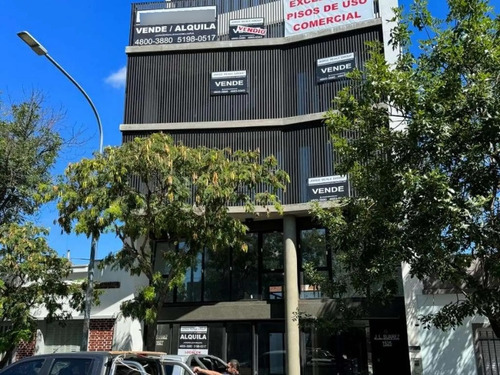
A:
(303, 16)
(193, 340)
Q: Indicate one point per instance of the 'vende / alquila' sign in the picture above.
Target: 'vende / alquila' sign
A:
(227, 83)
(327, 187)
(303, 16)
(335, 67)
(248, 28)
(175, 25)
(193, 340)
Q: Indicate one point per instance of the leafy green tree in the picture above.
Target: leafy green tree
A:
(32, 274)
(425, 162)
(28, 149)
(32, 277)
(153, 189)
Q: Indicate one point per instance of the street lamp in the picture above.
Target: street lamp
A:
(41, 51)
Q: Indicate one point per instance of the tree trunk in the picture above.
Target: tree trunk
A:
(7, 357)
(150, 336)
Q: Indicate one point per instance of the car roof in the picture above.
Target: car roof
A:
(98, 354)
(73, 354)
(179, 357)
(133, 353)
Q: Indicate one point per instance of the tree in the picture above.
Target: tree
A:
(28, 149)
(32, 274)
(425, 162)
(32, 277)
(153, 189)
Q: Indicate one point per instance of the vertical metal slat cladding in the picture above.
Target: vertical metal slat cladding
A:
(173, 86)
(282, 81)
(299, 140)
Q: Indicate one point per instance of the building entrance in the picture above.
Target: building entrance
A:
(372, 347)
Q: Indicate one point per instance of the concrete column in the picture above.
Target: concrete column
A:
(292, 334)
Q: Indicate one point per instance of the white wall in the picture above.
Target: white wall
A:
(127, 332)
(441, 353)
(450, 352)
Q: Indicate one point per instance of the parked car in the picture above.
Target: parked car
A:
(98, 363)
(206, 361)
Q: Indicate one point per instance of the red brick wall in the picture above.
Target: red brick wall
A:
(25, 349)
(101, 334)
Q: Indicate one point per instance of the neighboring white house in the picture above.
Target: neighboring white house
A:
(470, 349)
(109, 330)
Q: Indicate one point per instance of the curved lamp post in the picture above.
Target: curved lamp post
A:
(41, 51)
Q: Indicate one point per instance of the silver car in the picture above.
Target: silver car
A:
(206, 361)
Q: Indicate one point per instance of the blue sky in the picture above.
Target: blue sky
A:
(88, 39)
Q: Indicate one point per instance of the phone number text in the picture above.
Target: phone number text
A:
(175, 39)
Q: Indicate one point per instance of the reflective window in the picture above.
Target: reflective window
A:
(216, 275)
(272, 285)
(25, 368)
(313, 247)
(239, 345)
(245, 270)
(190, 290)
(272, 251)
(271, 354)
(345, 353)
(163, 251)
(71, 366)
(314, 252)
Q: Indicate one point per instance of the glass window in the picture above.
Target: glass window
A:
(344, 353)
(163, 338)
(239, 345)
(25, 368)
(161, 265)
(245, 270)
(313, 251)
(272, 251)
(271, 358)
(164, 250)
(71, 366)
(190, 290)
(313, 247)
(216, 334)
(310, 291)
(272, 285)
(216, 275)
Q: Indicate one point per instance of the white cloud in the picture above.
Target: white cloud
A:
(117, 79)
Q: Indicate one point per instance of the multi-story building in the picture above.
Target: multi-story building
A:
(260, 74)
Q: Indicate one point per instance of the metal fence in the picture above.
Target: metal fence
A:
(487, 347)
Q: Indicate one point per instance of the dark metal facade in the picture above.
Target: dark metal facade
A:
(175, 86)
(302, 150)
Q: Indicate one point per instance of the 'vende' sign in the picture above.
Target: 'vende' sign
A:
(327, 187)
(303, 16)
(228, 83)
(335, 67)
